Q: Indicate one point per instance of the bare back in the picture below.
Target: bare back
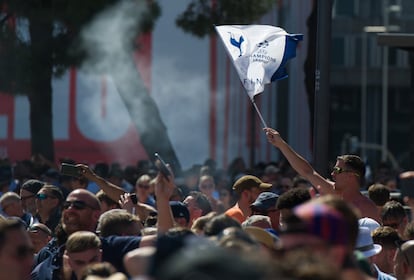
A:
(366, 207)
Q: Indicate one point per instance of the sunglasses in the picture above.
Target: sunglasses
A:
(43, 196)
(77, 204)
(207, 186)
(37, 229)
(146, 187)
(338, 170)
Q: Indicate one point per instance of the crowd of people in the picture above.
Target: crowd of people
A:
(276, 220)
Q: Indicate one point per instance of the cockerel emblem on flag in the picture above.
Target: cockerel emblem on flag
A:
(259, 53)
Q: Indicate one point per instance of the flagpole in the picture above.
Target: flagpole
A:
(258, 112)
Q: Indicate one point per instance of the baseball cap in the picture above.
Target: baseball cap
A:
(265, 201)
(180, 210)
(33, 185)
(248, 182)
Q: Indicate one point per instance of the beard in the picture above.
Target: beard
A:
(72, 222)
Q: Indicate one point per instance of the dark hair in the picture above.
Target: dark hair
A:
(379, 194)
(292, 198)
(53, 190)
(297, 180)
(355, 163)
(386, 237)
(167, 245)
(392, 209)
(202, 202)
(218, 223)
(102, 169)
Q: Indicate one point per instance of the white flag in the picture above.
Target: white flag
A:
(259, 53)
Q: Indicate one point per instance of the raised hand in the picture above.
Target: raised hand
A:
(273, 136)
(125, 202)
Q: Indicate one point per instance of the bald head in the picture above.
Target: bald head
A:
(86, 196)
(81, 211)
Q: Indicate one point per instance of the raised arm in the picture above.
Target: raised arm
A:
(301, 165)
(113, 191)
(163, 191)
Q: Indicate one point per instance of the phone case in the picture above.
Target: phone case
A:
(162, 166)
(69, 170)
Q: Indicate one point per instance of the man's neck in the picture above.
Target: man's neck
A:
(245, 208)
(350, 192)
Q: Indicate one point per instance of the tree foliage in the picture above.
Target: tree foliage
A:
(200, 16)
(40, 39)
(61, 22)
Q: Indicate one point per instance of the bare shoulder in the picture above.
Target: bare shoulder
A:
(324, 186)
(366, 207)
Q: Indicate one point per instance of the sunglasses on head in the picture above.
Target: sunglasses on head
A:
(339, 170)
(43, 196)
(37, 229)
(76, 204)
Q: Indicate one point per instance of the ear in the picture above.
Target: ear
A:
(197, 212)
(66, 260)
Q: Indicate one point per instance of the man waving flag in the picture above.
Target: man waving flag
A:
(259, 53)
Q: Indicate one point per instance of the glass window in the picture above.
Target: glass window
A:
(338, 51)
(344, 7)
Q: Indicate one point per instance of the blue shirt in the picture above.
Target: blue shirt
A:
(114, 249)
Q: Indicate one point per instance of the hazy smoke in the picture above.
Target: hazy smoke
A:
(109, 42)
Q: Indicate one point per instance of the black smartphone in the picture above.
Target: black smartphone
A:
(134, 198)
(162, 166)
(70, 170)
(407, 187)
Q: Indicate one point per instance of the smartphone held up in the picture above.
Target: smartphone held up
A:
(70, 170)
(162, 166)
